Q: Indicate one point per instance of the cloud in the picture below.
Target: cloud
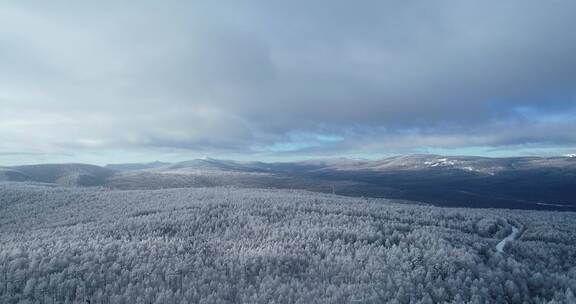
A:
(248, 77)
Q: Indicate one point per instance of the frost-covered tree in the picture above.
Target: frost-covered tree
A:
(226, 245)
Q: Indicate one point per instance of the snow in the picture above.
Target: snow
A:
(510, 237)
(440, 162)
(555, 205)
(232, 245)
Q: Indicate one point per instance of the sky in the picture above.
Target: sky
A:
(133, 81)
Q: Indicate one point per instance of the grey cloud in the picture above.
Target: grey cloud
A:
(234, 76)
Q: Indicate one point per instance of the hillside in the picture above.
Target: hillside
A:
(63, 174)
(460, 181)
(227, 245)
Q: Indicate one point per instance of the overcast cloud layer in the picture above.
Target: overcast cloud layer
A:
(284, 78)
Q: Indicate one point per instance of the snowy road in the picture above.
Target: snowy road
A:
(510, 237)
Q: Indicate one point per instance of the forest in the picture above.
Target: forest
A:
(235, 245)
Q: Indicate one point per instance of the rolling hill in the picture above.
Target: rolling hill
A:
(520, 182)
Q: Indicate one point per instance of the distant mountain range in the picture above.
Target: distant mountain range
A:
(63, 174)
(467, 181)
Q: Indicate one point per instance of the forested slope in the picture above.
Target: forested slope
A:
(225, 245)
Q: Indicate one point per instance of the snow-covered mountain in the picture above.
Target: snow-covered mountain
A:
(9, 174)
(136, 166)
(64, 174)
(413, 162)
(466, 163)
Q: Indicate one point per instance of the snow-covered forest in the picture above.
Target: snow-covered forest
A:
(228, 245)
